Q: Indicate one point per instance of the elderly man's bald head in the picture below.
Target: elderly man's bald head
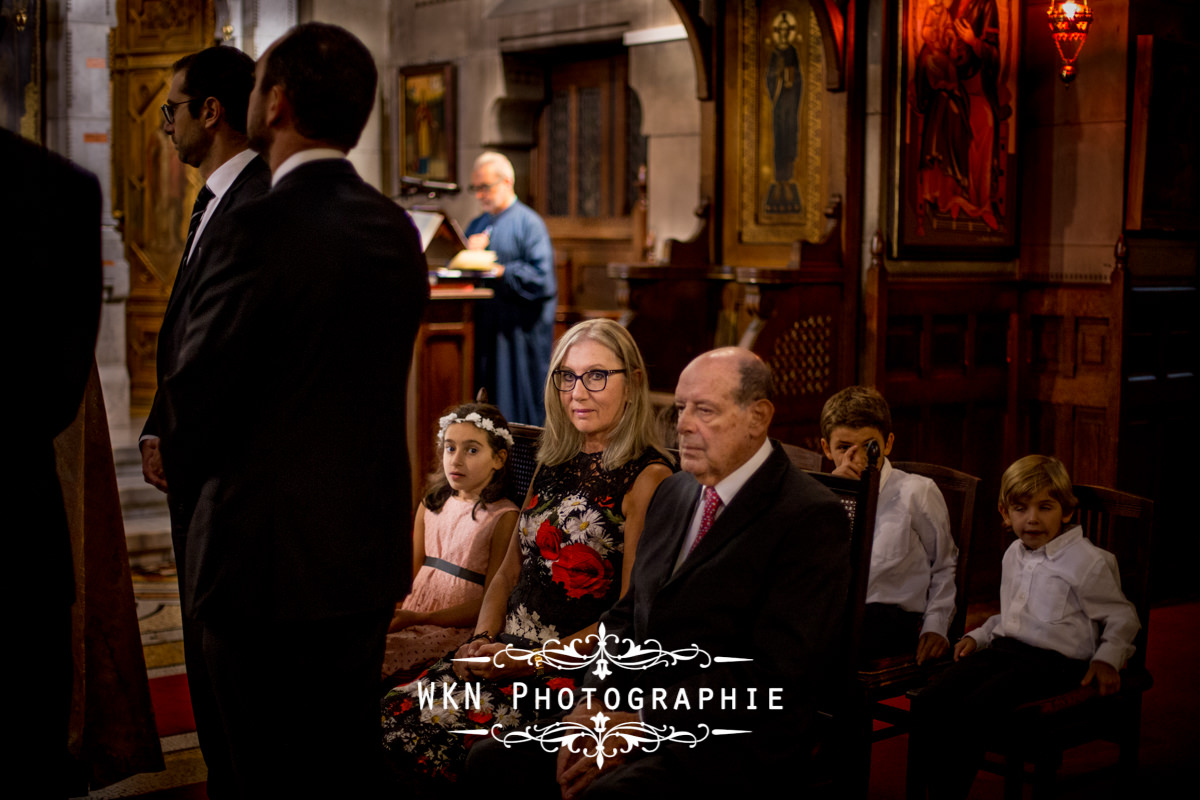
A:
(724, 406)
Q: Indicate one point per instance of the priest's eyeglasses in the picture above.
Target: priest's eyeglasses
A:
(594, 380)
(168, 109)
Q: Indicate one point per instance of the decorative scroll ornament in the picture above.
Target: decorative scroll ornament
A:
(1069, 23)
(601, 742)
(635, 657)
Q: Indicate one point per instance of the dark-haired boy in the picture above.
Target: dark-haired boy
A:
(910, 591)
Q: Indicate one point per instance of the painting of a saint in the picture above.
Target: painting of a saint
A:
(780, 129)
(427, 123)
(785, 86)
(959, 94)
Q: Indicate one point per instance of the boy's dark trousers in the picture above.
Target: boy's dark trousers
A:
(889, 630)
(970, 703)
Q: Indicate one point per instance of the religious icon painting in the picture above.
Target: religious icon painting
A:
(427, 136)
(954, 160)
(781, 123)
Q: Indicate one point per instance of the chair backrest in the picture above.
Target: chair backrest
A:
(1122, 524)
(858, 497)
(522, 459)
(802, 457)
(958, 489)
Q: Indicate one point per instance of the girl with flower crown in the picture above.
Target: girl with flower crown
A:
(460, 536)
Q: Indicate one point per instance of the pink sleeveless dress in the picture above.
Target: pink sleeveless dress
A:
(459, 541)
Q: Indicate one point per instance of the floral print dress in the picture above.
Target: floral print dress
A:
(572, 539)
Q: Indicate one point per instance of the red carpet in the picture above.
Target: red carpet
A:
(172, 705)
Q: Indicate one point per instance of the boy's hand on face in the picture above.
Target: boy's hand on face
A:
(850, 466)
(965, 647)
(932, 645)
(1108, 680)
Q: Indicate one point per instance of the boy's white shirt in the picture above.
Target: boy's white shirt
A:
(913, 557)
(1065, 596)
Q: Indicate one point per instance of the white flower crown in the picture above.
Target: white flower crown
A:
(483, 423)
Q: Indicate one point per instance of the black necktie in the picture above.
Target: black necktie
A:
(198, 207)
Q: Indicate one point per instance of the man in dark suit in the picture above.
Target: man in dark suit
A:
(288, 389)
(759, 574)
(744, 556)
(205, 116)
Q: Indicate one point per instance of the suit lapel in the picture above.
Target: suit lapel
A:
(679, 531)
(748, 506)
(187, 273)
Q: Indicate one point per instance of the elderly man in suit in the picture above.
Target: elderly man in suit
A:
(743, 556)
(205, 116)
(289, 391)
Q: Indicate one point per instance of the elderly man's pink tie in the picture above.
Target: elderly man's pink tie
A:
(712, 503)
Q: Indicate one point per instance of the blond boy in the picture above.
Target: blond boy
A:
(1063, 622)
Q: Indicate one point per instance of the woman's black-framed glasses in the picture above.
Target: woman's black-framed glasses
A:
(168, 110)
(594, 380)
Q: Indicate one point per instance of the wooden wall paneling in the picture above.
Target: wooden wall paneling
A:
(152, 190)
(1070, 379)
(802, 320)
(801, 339)
(443, 372)
(670, 312)
(941, 351)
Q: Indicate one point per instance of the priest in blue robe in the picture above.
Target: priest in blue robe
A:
(514, 331)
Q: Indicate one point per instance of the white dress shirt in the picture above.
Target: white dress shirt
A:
(913, 556)
(218, 183)
(729, 486)
(1065, 596)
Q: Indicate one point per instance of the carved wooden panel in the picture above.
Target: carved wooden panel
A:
(669, 312)
(802, 357)
(798, 330)
(940, 351)
(157, 26)
(152, 190)
(1070, 377)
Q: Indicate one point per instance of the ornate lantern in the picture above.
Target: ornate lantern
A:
(1069, 22)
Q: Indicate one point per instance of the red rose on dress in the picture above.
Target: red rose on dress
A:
(605, 502)
(533, 501)
(582, 572)
(549, 540)
(556, 684)
(479, 717)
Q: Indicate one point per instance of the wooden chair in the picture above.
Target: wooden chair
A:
(1122, 524)
(803, 458)
(522, 459)
(843, 763)
(886, 678)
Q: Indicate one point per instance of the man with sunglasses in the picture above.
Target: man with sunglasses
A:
(514, 331)
(205, 116)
